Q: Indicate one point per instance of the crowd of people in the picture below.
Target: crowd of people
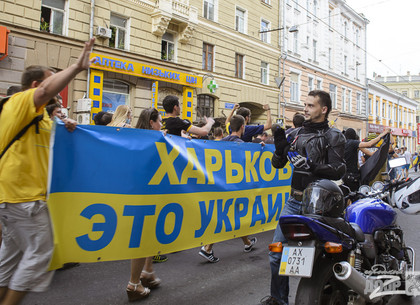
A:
(316, 151)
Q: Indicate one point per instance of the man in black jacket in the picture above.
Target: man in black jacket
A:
(316, 152)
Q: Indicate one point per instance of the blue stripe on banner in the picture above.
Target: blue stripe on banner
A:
(110, 160)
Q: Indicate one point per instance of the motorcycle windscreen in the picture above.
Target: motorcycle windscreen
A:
(373, 165)
(319, 201)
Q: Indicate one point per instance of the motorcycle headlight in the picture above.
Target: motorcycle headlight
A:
(364, 189)
(378, 186)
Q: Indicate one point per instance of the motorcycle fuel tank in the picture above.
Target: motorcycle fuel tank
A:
(370, 214)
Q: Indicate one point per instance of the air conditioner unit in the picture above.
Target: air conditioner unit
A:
(83, 105)
(103, 32)
(83, 118)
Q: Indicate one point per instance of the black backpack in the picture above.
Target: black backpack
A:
(35, 121)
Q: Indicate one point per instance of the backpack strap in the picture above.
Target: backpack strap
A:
(35, 121)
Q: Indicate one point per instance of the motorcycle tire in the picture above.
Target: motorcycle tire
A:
(322, 288)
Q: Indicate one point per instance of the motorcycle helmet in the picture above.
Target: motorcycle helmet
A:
(323, 197)
(407, 198)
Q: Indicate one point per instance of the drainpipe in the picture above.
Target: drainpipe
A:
(92, 15)
(283, 58)
(367, 82)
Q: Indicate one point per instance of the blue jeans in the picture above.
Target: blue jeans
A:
(280, 284)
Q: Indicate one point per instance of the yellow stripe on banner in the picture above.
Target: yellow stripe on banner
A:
(101, 227)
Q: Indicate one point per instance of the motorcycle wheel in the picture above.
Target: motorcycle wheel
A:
(322, 288)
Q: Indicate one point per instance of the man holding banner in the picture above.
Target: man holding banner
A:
(316, 152)
(27, 235)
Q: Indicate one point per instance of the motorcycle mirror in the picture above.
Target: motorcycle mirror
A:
(396, 162)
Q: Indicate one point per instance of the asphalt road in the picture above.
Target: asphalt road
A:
(238, 278)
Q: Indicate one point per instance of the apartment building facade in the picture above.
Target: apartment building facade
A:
(389, 108)
(407, 85)
(327, 52)
(208, 52)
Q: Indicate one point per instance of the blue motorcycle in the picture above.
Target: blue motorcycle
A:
(349, 250)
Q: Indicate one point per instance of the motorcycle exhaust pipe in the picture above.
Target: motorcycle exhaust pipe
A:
(352, 278)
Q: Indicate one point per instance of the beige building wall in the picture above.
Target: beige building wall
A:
(29, 45)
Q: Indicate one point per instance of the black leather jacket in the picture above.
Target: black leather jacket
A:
(324, 149)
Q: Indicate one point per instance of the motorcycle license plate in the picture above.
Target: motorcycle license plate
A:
(297, 261)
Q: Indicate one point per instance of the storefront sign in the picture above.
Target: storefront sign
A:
(375, 128)
(123, 66)
(229, 105)
(402, 132)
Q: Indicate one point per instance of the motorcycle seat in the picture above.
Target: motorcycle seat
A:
(360, 236)
(342, 225)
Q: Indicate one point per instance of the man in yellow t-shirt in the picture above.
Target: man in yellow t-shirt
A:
(27, 235)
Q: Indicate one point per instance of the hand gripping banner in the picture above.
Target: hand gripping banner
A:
(122, 193)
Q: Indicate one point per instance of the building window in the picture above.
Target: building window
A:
(359, 103)
(115, 93)
(345, 64)
(209, 9)
(240, 20)
(357, 69)
(52, 16)
(314, 49)
(294, 87)
(349, 100)
(265, 26)
(315, 7)
(330, 58)
(345, 29)
(310, 83)
(264, 73)
(389, 112)
(239, 65)
(168, 47)
(343, 100)
(295, 42)
(205, 106)
(119, 32)
(333, 95)
(357, 37)
(416, 94)
(208, 57)
(319, 84)
(383, 109)
(377, 108)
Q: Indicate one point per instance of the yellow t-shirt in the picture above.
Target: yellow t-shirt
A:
(24, 167)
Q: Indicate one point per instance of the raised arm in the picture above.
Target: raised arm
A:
(268, 123)
(202, 131)
(51, 86)
(375, 141)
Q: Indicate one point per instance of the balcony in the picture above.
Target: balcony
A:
(180, 13)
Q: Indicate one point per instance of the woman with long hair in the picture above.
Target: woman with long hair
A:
(142, 273)
(121, 117)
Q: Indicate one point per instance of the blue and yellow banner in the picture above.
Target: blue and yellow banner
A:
(120, 193)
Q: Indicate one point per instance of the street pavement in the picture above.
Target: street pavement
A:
(238, 278)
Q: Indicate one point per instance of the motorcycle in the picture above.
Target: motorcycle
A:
(360, 258)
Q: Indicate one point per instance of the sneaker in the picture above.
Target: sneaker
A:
(208, 256)
(160, 258)
(269, 300)
(248, 248)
